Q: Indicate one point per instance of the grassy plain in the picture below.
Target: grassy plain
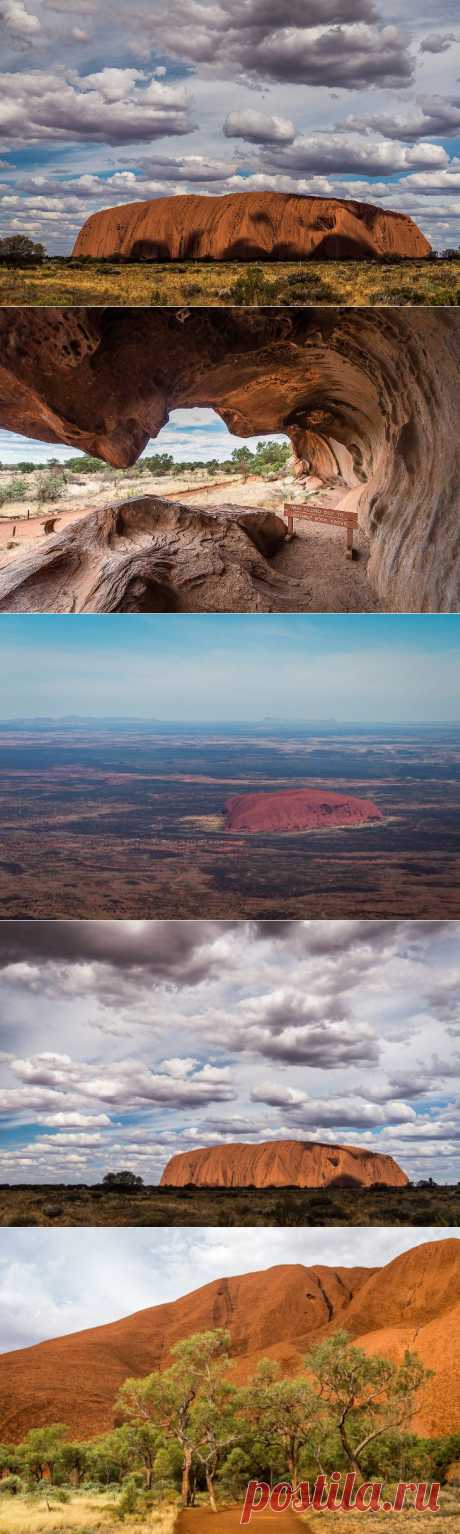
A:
(61, 1205)
(86, 1513)
(220, 283)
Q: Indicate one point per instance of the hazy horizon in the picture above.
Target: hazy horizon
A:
(230, 667)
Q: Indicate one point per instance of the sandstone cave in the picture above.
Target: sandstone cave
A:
(368, 399)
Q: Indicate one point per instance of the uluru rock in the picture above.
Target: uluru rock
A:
(297, 809)
(245, 226)
(412, 1302)
(280, 1164)
(367, 395)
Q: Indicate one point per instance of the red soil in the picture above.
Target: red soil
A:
(198, 1520)
(297, 809)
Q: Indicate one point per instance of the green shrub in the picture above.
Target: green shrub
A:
(253, 288)
(14, 492)
(11, 1486)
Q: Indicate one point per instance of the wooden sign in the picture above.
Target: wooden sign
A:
(333, 515)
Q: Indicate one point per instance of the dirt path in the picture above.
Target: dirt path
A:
(199, 1520)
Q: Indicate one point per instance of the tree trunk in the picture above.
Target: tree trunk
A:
(185, 1491)
(351, 1456)
(210, 1486)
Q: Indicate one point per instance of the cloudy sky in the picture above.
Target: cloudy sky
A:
(224, 667)
(103, 103)
(58, 1281)
(124, 1043)
(198, 433)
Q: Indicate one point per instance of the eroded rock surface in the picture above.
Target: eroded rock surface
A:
(243, 226)
(151, 555)
(297, 809)
(369, 395)
(281, 1164)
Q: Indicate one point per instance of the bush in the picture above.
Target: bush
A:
(11, 1486)
(14, 492)
(50, 487)
(253, 288)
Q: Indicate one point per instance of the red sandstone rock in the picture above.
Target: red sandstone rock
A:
(412, 1302)
(297, 809)
(370, 394)
(279, 1164)
(243, 226)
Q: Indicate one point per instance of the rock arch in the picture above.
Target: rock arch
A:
(369, 394)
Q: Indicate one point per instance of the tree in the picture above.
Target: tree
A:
(19, 250)
(124, 1179)
(364, 1396)
(285, 1413)
(167, 1399)
(214, 1428)
(41, 1449)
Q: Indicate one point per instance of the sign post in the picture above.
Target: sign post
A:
(333, 515)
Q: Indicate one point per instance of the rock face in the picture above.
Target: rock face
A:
(369, 394)
(297, 809)
(281, 1164)
(244, 226)
(151, 555)
(412, 1302)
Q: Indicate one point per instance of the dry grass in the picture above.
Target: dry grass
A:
(408, 1522)
(86, 1514)
(354, 283)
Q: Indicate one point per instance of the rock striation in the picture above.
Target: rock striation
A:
(247, 226)
(297, 809)
(412, 1302)
(365, 394)
(281, 1164)
(151, 555)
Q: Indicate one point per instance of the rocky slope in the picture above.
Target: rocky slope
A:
(280, 1164)
(413, 1301)
(243, 226)
(297, 809)
(368, 395)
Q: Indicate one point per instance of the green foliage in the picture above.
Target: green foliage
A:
(11, 1486)
(50, 487)
(41, 1448)
(252, 288)
(19, 250)
(365, 1396)
(16, 491)
(159, 463)
(123, 1179)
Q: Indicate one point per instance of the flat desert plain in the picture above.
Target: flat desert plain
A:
(128, 820)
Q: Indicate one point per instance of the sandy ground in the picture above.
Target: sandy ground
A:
(200, 1521)
(323, 579)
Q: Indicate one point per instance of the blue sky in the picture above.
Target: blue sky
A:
(198, 433)
(123, 1044)
(103, 103)
(222, 667)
